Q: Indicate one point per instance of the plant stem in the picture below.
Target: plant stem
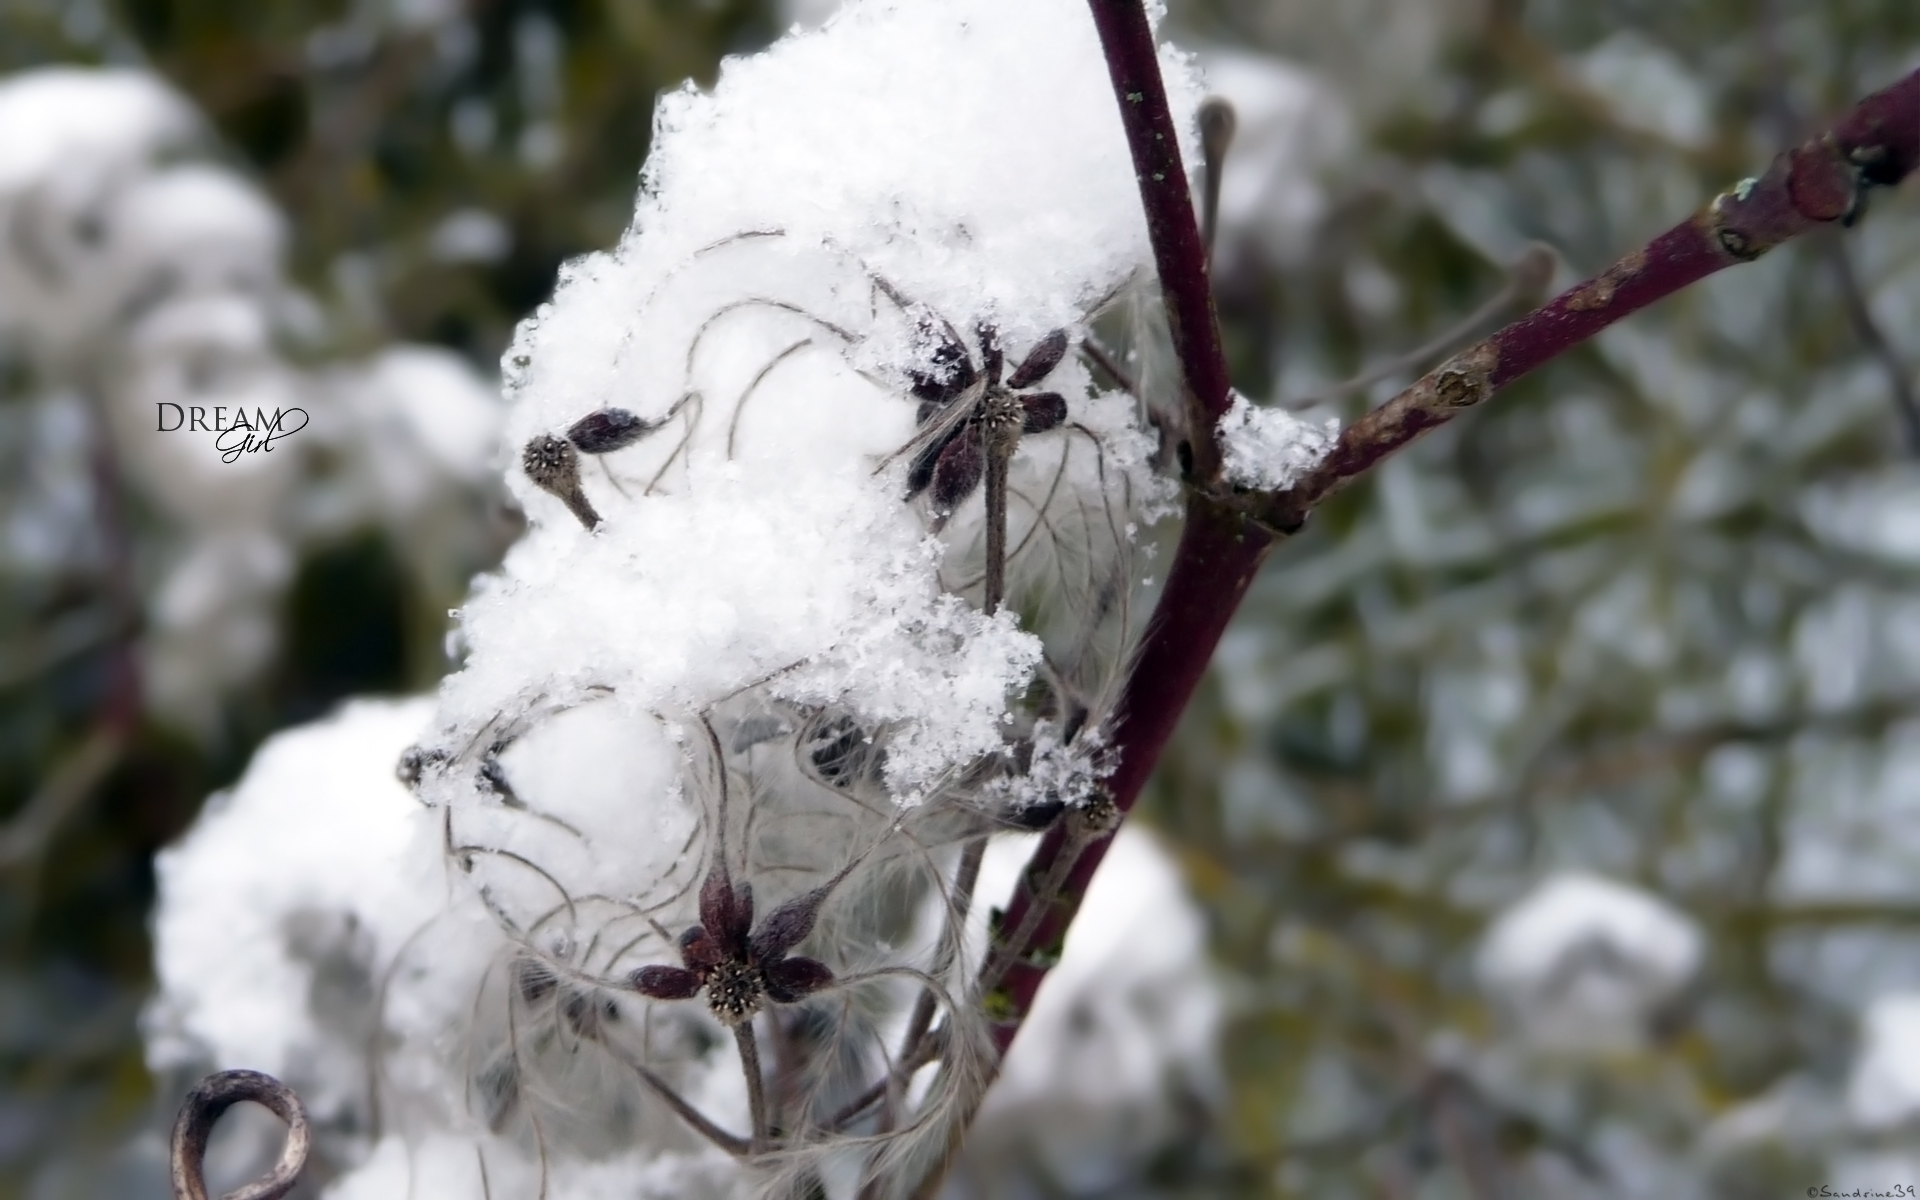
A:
(1179, 250)
(1226, 535)
(756, 1085)
(1817, 183)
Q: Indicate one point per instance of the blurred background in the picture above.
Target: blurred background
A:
(1554, 809)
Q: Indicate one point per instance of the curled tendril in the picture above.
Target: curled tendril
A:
(201, 1110)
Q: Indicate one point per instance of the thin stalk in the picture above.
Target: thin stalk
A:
(756, 1086)
(998, 452)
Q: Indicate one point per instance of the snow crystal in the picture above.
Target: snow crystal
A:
(1583, 962)
(1269, 448)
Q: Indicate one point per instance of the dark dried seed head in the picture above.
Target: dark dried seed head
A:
(991, 356)
(734, 990)
(554, 467)
(920, 474)
(608, 430)
(726, 910)
(948, 373)
(551, 464)
(414, 763)
(1098, 815)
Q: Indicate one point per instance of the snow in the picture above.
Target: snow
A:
(1583, 963)
(762, 649)
(743, 312)
(149, 283)
(1270, 448)
(1124, 1031)
(470, 235)
(318, 842)
(1885, 1088)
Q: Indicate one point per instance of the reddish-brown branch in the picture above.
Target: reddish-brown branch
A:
(1219, 552)
(1822, 181)
(1817, 183)
(1179, 251)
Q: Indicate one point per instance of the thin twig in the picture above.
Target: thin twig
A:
(26, 834)
(1823, 181)
(1226, 535)
(999, 451)
(1217, 122)
(702, 1124)
(1788, 123)
(1105, 362)
(1853, 297)
(200, 1111)
(1525, 283)
(1179, 250)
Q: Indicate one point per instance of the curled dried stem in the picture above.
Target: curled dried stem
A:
(202, 1109)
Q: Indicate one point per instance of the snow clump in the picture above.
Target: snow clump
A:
(742, 646)
(1584, 964)
(1269, 449)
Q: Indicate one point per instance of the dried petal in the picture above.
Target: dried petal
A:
(920, 474)
(990, 353)
(608, 430)
(726, 910)
(958, 471)
(665, 983)
(1045, 410)
(791, 979)
(1040, 361)
(949, 372)
(787, 926)
(699, 951)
